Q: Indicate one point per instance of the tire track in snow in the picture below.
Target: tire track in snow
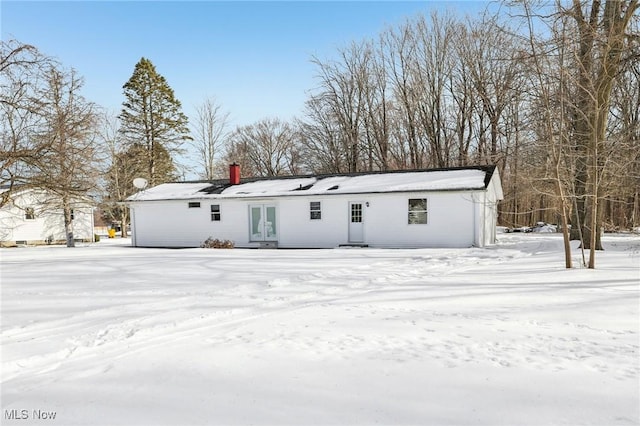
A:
(219, 318)
(279, 296)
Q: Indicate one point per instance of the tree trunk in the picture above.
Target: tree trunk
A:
(124, 221)
(578, 214)
(565, 222)
(68, 225)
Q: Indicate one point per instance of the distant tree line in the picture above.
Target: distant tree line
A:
(550, 95)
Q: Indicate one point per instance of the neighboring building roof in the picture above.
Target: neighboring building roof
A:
(16, 190)
(20, 189)
(450, 179)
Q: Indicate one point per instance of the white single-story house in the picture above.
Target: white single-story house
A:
(32, 216)
(453, 207)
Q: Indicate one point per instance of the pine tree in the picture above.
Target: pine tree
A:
(152, 116)
(125, 167)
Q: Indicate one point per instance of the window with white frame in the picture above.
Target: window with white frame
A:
(29, 213)
(194, 204)
(215, 213)
(417, 211)
(315, 210)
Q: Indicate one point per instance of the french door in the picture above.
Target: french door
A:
(263, 224)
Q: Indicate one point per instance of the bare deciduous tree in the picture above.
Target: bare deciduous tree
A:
(343, 90)
(22, 70)
(432, 70)
(266, 148)
(602, 43)
(68, 169)
(320, 138)
(400, 50)
(623, 200)
(210, 132)
(378, 111)
(549, 99)
(120, 172)
(491, 60)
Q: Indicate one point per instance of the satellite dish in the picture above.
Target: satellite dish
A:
(140, 183)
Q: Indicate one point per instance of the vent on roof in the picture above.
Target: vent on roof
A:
(333, 188)
(215, 189)
(303, 188)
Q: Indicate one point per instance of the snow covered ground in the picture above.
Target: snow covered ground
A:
(108, 334)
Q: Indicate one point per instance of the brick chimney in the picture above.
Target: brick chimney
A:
(234, 174)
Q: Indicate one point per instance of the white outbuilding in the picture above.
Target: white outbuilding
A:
(453, 207)
(33, 216)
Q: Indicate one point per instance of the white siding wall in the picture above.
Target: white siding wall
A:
(493, 195)
(479, 208)
(451, 221)
(82, 223)
(486, 212)
(174, 224)
(48, 222)
(449, 224)
(490, 222)
(298, 230)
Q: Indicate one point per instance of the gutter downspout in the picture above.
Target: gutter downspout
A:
(93, 225)
(132, 214)
(476, 239)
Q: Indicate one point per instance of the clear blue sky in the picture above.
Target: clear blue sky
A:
(253, 57)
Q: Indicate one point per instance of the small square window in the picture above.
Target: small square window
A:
(315, 210)
(215, 213)
(29, 213)
(194, 204)
(417, 211)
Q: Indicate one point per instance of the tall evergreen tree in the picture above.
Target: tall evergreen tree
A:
(152, 116)
(124, 168)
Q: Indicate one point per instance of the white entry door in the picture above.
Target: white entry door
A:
(356, 222)
(262, 222)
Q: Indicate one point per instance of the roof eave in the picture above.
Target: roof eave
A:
(298, 194)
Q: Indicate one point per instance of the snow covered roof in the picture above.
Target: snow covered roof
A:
(7, 187)
(452, 179)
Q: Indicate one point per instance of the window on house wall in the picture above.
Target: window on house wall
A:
(417, 211)
(315, 210)
(356, 213)
(29, 213)
(194, 205)
(215, 213)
